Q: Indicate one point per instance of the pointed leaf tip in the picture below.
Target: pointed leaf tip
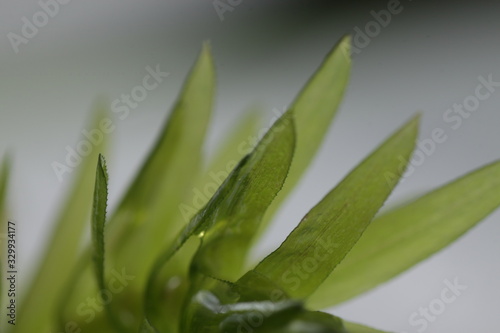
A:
(345, 46)
(408, 234)
(103, 166)
(205, 57)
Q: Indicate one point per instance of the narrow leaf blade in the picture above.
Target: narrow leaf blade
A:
(404, 236)
(357, 328)
(4, 178)
(99, 219)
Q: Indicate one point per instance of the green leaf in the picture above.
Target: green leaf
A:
(4, 178)
(40, 302)
(328, 232)
(404, 236)
(313, 110)
(146, 327)
(231, 217)
(316, 322)
(225, 160)
(357, 328)
(100, 204)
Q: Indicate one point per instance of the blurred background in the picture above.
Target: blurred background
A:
(426, 56)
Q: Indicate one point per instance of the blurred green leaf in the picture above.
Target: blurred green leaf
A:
(230, 150)
(4, 178)
(145, 220)
(224, 161)
(329, 231)
(40, 301)
(147, 328)
(357, 328)
(404, 236)
(313, 111)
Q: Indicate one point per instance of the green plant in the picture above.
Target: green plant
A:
(147, 270)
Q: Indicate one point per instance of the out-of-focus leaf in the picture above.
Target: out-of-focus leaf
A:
(4, 177)
(357, 328)
(234, 146)
(40, 302)
(401, 238)
(313, 110)
(148, 216)
(146, 327)
(329, 231)
(226, 158)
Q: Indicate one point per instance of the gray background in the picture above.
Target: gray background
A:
(428, 58)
